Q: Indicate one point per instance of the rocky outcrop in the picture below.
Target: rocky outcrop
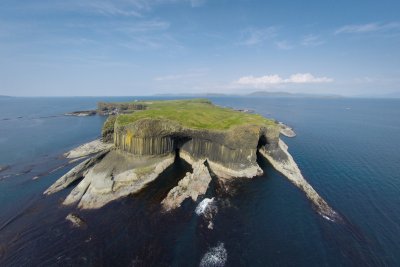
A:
(107, 132)
(104, 108)
(286, 130)
(88, 149)
(75, 173)
(192, 185)
(75, 220)
(117, 175)
(283, 162)
(82, 113)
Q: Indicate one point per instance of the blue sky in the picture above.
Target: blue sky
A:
(144, 47)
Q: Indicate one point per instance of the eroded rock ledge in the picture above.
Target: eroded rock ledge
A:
(192, 185)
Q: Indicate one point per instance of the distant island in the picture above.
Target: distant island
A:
(141, 139)
(262, 94)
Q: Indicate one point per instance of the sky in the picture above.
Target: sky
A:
(146, 47)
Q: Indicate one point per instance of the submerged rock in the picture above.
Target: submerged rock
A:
(75, 220)
(87, 149)
(192, 185)
(286, 130)
(4, 167)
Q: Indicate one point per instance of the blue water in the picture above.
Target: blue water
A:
(347, 149)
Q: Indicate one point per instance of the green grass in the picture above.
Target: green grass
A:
(194, 113)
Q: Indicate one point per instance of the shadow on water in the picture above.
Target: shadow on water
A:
(127, 232)
(133, 231)
(356, 247)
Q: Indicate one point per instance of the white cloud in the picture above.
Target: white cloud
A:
(254, 36)
(311, 40)
(283, 45)
(272, 80)
(369, 27)
(146, 26)
(197, 3)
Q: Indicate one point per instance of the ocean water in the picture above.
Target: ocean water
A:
(348, 150)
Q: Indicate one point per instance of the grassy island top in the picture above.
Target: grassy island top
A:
(194, 113)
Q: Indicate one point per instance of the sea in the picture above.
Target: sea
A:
(348, 149)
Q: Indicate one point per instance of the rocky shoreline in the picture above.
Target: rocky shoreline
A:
(82, 113)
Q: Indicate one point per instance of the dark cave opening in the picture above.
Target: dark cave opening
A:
(179, 141)
(262, 141)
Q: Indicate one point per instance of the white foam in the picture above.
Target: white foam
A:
(203, 205)
(216, 256)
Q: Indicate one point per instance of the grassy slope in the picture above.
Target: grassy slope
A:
(194, 113)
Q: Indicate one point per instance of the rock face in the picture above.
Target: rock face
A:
(75, 174)
(87, 149)
(192, 185)
(117, 175)
(230, 153)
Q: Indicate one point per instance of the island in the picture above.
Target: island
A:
(139, 143)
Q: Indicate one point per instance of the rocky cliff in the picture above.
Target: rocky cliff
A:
(231, 153)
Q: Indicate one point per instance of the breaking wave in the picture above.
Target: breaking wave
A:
(215, 257)
(204, 206)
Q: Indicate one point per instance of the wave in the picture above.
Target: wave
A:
(216, 256)
(204, 206)
(207, 208)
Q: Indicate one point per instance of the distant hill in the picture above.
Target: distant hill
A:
(291, 95)
(253, 94)
(5, 96)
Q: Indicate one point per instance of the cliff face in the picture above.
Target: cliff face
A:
(230, 152)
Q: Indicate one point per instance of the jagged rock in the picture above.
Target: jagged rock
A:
(117, 175)
(286, 130)
(75, 220)
(75, 173)
(192, 185)
(283, 162)
(87, 149)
